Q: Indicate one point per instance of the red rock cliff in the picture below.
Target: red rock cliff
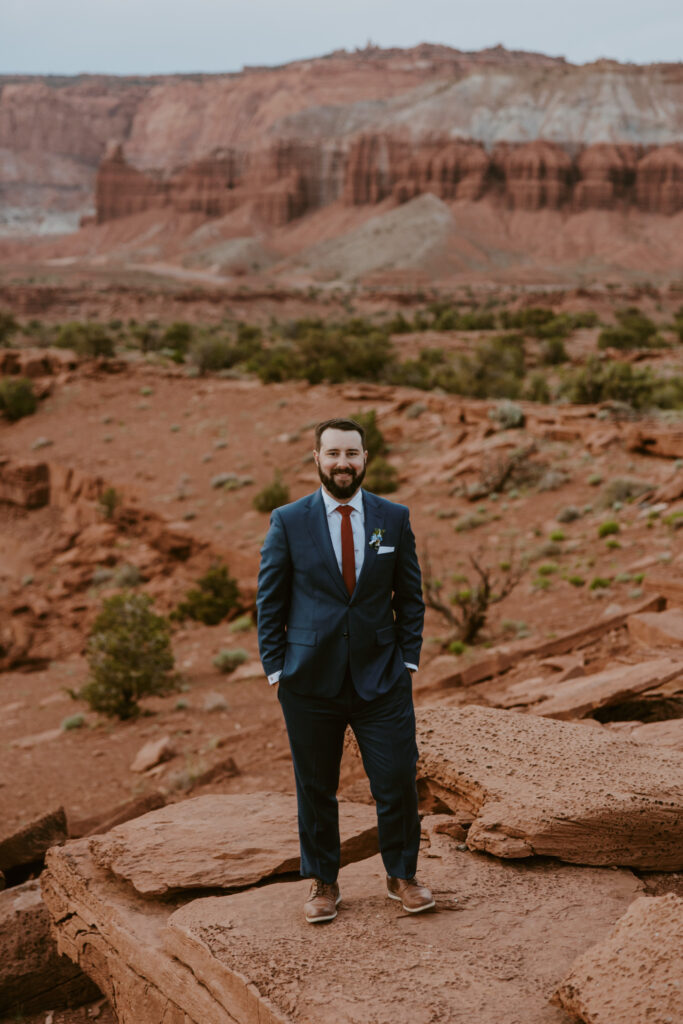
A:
(289, 179)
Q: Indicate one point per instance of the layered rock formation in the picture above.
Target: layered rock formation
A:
(503, 934)
(54, 131)
(287, 180)
(533, 786)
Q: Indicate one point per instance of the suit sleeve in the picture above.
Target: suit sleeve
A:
(273, 596)
(409, 608)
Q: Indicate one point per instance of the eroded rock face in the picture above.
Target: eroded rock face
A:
(536, 786)
(29, 844)
(291, 177)
(503, 934)
(33, 976)
(634, 974)
(26, 484)
(220, 841)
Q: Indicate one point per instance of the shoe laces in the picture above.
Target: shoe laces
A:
(320, 888)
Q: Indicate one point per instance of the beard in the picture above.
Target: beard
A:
(339, 491)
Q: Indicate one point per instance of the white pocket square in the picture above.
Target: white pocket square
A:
(384, 551)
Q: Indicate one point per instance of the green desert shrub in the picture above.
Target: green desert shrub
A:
(568, 514)
(607, 528)
(85, 338)
(209, 353)
(129, 655)
(17, 397)
(381, 477)
(109, 501)
(599, 583)
(8, 327)
(375, 443)
(215, 596)
(523, 319)
(622, 490)
(633, 330)
(228, 660)
(314, 351)
(272, 496)
(536, 388)
(553, 352)
(622, 382)
(508, 415)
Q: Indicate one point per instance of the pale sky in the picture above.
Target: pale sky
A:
(166, 36)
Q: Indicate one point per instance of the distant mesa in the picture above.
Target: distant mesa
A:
(521, 129)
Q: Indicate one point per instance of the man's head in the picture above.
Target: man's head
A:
(340, 456)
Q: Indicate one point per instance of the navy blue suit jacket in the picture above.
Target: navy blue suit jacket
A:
(309, 627)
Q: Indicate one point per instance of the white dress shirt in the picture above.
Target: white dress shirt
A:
(334, 521)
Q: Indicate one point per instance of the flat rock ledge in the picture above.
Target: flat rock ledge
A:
(538, 786)
(634, 974)
(503, 934)
(220, 841)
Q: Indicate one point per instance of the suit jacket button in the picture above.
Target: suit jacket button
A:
(345, 634)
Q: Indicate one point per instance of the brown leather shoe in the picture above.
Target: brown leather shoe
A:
(408, 891)
(322, 902)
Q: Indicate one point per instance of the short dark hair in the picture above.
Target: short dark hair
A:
(338, 424)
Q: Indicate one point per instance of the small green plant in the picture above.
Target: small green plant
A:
(674, 520)
(87, 339)
(228, 660)
(242, 624)
(568, 514)
(72, 722)
(508, 415)
(609, 527)
(214, 597)
(272, 496)
(126, 576)
(17, 398)
(381, 477)
(129, 655)
(375, 444)
(557, 535)
(8, 327)
(457, 647)
(612, 543)
(547, 569)
(639, 577)
(599, 583)
(576, 581)
(109, 501)
(594, 480)
(621, 490)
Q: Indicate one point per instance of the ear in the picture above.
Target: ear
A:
(315, 456)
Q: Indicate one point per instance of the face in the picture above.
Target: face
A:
(341, 462)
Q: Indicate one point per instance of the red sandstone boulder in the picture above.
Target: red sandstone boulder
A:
(536, 786)
(26, 484)
(220, 842)
(634, 975)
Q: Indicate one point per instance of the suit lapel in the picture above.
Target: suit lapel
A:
(316, 520)
(374, 519)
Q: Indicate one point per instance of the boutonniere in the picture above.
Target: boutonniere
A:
(376, 538)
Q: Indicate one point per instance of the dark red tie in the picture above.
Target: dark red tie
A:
(348, 556)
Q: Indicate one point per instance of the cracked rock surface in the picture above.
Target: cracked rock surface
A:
(560, 789)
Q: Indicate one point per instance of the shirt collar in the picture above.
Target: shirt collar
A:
(331, 504)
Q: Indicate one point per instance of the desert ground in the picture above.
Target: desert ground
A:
(588, 640)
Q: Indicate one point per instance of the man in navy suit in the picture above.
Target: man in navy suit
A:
(340, 617)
